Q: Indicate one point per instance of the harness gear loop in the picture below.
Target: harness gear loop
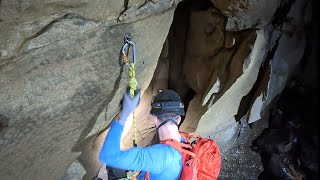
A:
(125, 50)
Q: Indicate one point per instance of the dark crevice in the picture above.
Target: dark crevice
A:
(177, 44)
(186, 100)
(289, 146)
(125, 5)
(177, 39)
(264, 71)
(280, 15)
(215, 96)
(227, 74)
(226, 81)
(145, 2)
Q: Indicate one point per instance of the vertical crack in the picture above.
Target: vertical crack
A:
(125, 5)
(248, 100)
(281, 13)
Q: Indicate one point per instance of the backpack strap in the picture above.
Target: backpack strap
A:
(185, 136)
(194, 134)
(181, 147)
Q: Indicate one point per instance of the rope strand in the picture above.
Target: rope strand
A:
(133, 86)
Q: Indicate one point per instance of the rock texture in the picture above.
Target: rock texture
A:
(245, 14)
(230, 100)
(61, 83)
(240, 162)
(59, 70)
(205, 39)
(237, 57)
(74, 172)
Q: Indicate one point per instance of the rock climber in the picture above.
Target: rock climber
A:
(161, 161)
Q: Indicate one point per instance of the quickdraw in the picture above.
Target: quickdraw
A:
(125, 50)
(125, 53)
(132, 80)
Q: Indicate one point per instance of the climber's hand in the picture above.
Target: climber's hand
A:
(128, 105)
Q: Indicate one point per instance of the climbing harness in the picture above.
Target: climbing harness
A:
(132, 79)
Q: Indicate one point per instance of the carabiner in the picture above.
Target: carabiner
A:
(125, 50)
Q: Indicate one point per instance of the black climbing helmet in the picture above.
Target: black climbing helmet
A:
(167, 101)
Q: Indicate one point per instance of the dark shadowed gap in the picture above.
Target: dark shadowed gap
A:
(260, 86)
(289, 146)
(177, 39)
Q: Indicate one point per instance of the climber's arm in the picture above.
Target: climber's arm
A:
(137, 158)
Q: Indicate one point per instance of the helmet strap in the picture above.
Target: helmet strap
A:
(164, 122)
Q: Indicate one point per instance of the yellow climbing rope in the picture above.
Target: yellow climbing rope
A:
(133, 86)
(132, 81)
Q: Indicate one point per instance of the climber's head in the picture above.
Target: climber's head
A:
(167, 107)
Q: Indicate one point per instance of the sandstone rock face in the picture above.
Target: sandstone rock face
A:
(61, 83)
(205, 38)
(244, 14)
(75, 172)
(59, 69)
(230, 100)
(223, 67)
(274, 56)
(234, 70)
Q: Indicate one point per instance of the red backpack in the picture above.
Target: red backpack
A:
(201, 158)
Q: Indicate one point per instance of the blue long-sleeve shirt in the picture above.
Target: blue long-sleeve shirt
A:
(162, 161)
